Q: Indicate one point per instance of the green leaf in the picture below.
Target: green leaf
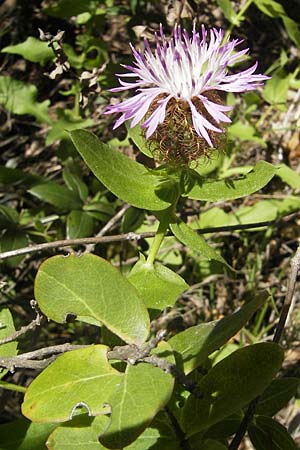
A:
(276, 89)
(79, 224)
(32, 49)
(292, 29)
(245, 132)
(73, 179)
(21, 98)
(136, 135)
(80, 378)
(158, 286)
(228, 189)
(82, 430)
(127, 179)
(277, 395)
(289, 176)
(12, 240)
(193, 345)
(93, 290)
(57, 195)
(267, 434)
(8, 217)
(159, 435)
(66, 121)
(194, 241)
(21, 434)
(132, 219)
(231, 384)
(6, 329)
(229, 12)
(144, 391)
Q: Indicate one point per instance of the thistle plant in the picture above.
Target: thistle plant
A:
(140, 389)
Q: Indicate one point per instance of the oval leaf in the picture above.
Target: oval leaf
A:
(57, 195)
(232, 384)
(95, 292)
(144, 390)
(125, 178)
(228, 189)
(158, 285)
(80, 377)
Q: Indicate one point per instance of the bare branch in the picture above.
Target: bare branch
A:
(135, 237)
(36, 322)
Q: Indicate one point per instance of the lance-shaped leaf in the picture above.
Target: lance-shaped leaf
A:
(228, 189)
(194, 345)
(194, 241)
(93, 291)
(231, 384)
(80, 378)
(144, 391)
(125, 178)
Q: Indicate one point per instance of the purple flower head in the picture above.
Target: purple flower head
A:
(176, 88)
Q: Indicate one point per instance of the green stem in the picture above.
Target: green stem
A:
(238, 18)
(159, 237)
(12, 387)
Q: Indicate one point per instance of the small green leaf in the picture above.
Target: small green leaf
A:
(276, 89)
(57, 195)
(82, 378)
(229, 12)
(20, 98)
(125, 178)
(228, 189)
(289, 176)
(93, 290)
(193, 345)
(22, 434)
(277, 395)
(79, 224)
(267, 434)
(12, 240)
(144, 391)
(82, 430)
(8, 216)
(231, 384)
(245, 132)
(158, 286)
(194, 241)
(32, 49)
(6, 329)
